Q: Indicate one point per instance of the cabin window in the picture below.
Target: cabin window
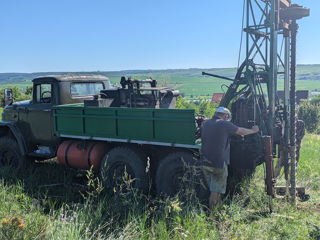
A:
(84, 89)
(43, 93)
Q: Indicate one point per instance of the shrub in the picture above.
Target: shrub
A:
(28, 90)
(206, 107)
(18, 95)
(316, 100)
(310, 114)
(182, 103)
(202, 106)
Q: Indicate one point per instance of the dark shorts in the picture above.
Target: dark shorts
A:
(216, 178)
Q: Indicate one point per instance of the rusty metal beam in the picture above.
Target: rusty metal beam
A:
(285, 3)
(270, 180)
(294, 29)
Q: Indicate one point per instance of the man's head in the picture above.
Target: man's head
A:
(223, 113)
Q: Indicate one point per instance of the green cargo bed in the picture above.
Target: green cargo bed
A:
(170, 127)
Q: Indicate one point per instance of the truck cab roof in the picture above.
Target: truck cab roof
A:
(70, 78)
(67, 89)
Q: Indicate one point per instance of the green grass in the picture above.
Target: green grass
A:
(206, 86)
(46, 198)
(190, 82)
(19, 85)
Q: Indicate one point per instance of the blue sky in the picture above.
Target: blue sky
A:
(103, 35)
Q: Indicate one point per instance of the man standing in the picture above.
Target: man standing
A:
(215, 150)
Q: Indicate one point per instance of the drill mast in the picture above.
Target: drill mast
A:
(270, 42)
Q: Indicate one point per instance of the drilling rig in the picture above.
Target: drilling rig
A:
(269, 29)
(87, 123)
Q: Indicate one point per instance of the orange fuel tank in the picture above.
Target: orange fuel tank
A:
(82, 155)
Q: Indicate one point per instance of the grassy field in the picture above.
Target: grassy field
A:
(45, 202)
(188, 81)
(193, 86)
(208, 86)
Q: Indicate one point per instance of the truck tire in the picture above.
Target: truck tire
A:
(123, 159)
(175, 174)
(10, 154)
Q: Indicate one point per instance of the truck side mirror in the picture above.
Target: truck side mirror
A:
(8, 96)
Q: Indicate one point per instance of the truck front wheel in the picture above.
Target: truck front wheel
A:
(123, 166)
(10, 154)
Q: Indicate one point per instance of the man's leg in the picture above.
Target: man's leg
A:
(218, 185)
(217, 182)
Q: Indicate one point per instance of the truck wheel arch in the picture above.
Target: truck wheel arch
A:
(8, 129)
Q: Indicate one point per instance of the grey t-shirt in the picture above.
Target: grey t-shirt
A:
(215, 147)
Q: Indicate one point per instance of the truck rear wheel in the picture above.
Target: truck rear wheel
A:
(123, 165)
(176, 174)
(10, 154)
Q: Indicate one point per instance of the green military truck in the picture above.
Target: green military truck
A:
(85, 123)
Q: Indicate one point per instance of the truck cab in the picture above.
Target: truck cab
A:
(30, 122)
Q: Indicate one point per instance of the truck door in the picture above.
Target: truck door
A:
(40, 114)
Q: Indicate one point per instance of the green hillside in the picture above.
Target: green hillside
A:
(188, 81)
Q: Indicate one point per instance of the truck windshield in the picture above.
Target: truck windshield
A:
(83, 89)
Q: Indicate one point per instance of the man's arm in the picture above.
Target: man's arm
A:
(245, 131)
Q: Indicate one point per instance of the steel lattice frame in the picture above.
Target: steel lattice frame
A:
(262, 37)
(269, 25)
